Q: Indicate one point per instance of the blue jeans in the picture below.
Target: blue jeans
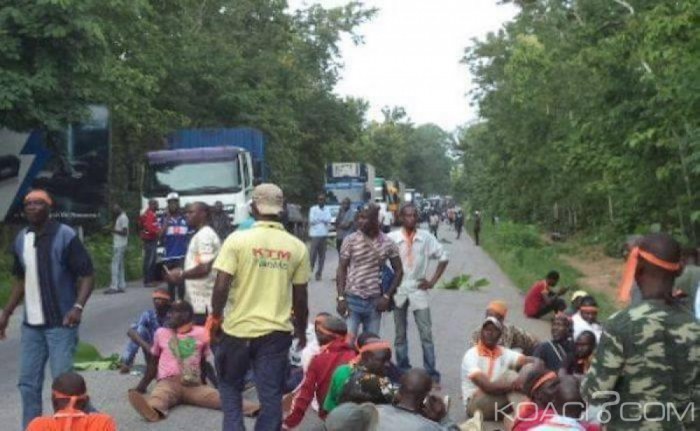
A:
(38, 346)
(425, 330)
(364, 312)
(268, 356)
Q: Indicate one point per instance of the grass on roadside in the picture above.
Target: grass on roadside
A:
(524, 256)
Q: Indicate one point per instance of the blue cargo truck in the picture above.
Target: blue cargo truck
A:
(207, 165)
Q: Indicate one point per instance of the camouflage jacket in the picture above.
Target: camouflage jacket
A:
(648, 357)
(514, 338)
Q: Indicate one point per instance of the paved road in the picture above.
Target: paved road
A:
(455, 315)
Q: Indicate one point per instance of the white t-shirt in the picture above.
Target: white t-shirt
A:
(386, 218)
(581, 325)
(203, 248)
(473, 363)
(121, 223)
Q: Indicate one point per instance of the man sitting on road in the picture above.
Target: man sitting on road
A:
(70, 400)
(415, 408)
(145, 329)
(579, 361)
(587, 318)
(374, 354)
(541, 299)
(488, 382)
(368, 381)
(555, 351)
(330, 333)
(178, 354)
(512, 337)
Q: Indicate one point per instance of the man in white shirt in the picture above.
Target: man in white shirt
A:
(319, 224)
(386, 218)
(120, 239)
(198, 275)
(416, 247)
(488, 380)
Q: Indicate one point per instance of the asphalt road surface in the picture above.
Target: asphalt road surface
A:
(107, 318)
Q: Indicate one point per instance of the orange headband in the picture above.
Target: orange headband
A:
(589, 308)
(38, 195)
(625, 288)
(499, 307)
(319, 323)
(542, 380)
(161, 295)
(69, 412)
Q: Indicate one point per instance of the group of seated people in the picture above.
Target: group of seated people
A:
(339, 377)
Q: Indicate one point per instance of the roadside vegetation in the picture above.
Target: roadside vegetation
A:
(525, 256)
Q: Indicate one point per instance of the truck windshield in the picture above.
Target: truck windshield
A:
(335, 195)
(189, 178)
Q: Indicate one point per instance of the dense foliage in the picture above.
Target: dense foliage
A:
(164, 65)
(589, 116)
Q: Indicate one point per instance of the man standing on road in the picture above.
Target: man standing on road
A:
(319, 222)
(257, 266)
(477, 227)
(358, 281)
(197, 273)
(149, 235)
(344, 222)
(54, 275)
(459, 222)
(417, 247)
(174, 234)
(433, 223)
(648, 360)
(120, 240)
(220, 221)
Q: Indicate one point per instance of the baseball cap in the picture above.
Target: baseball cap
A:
(172, 196)
(268, 199)
(578, 294)
(493, 320)
(352, 417)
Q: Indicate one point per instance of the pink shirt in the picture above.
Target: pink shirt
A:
(192, 346)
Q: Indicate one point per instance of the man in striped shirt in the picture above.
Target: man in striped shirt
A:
(362, 258)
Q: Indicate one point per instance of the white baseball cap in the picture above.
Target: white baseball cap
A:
(172, 196)
(268, 199)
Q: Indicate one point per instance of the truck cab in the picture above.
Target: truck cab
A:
(201, 174)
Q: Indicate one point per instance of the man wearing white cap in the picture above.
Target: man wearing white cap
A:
(487, 383)
(265, 270)
(174, 234)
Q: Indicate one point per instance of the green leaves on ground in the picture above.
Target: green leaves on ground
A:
(464, 282)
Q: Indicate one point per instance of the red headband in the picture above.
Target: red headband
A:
(625, 288)
(589, 308)
(373, 347)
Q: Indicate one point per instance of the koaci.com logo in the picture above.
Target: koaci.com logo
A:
(627, 411)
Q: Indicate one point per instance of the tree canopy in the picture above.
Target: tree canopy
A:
(589, 116)
(165, 65)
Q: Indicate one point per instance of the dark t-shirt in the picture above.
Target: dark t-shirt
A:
(553, 354)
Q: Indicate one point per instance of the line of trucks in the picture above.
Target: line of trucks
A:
(209, 165)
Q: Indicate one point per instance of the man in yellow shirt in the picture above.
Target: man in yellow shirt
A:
(265, 271)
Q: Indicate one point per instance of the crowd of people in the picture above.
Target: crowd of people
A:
(235, 316)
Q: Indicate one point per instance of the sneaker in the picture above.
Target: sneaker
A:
(139, 403)
(111, 291)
